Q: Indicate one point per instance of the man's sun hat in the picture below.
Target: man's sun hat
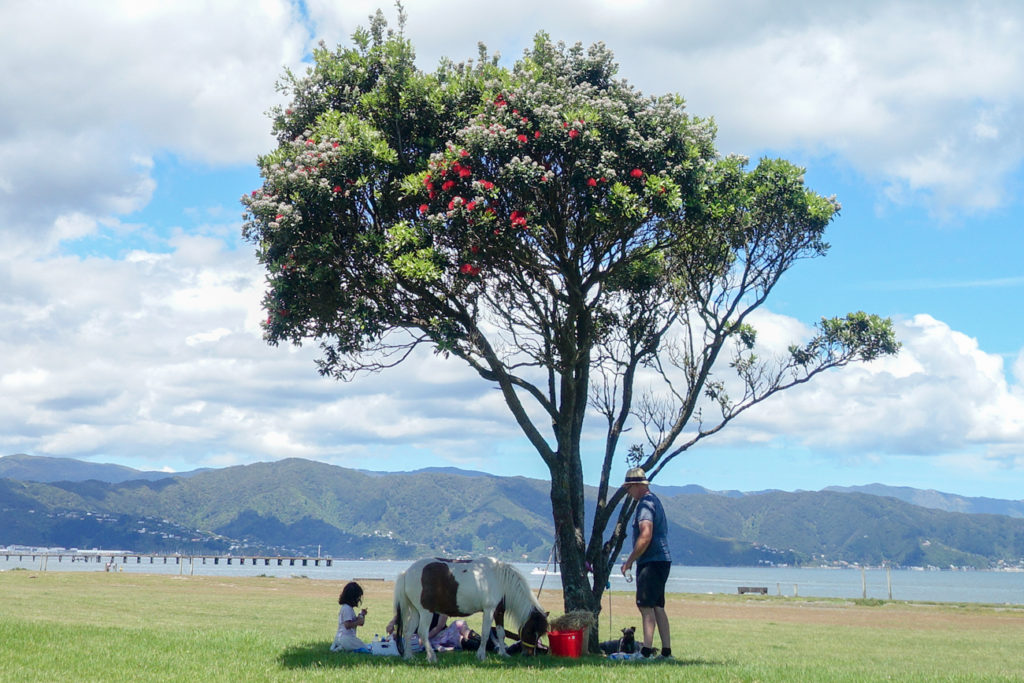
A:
(636, 475)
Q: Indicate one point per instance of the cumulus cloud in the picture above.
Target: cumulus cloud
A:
(158, 359)
(94, 91)
(941, 396)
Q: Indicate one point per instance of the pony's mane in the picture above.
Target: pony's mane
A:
(519, 600)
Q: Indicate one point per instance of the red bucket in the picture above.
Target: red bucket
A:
(566, 643)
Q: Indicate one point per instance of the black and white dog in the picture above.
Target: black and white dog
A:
(627, 643)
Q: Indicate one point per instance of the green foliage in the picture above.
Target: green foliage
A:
(858, 335)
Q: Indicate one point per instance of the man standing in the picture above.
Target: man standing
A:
(653, 561)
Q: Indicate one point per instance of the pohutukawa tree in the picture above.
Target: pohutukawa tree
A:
(555, 229)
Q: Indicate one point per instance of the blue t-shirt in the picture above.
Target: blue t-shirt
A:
(649, 508)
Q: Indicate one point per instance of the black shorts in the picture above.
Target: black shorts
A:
(650, 583)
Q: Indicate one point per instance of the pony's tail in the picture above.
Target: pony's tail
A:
(399, 600)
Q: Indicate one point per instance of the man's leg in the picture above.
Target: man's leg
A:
(649, 620)
(661, 618)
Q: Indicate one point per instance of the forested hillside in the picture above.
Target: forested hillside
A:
(299, 506)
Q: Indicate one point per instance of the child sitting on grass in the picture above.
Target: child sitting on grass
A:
(348, 621)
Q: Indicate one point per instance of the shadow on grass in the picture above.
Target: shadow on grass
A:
(318, 655)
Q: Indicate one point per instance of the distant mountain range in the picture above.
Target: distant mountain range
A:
(298, 507)
(43, 469)
(950, 502)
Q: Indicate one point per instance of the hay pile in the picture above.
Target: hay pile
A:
(577, 620)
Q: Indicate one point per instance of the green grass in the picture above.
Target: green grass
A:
(121, 627)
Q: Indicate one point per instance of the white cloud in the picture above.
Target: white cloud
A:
(93, 91)
(941, 396)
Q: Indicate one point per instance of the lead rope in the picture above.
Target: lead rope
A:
(545, 576)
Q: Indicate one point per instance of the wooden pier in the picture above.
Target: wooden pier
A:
(101, 557)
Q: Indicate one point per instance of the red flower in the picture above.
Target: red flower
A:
(447, 185)
(636, 173)
(574, 133)
(536, 134)
(426, 180)
(337, 188)
(463, 153)
(465, 172)
(424, 208)
(487, 184)
(334, 144)
(517, 219)
(475, 249)
(431, 194)
(499, 101)
(288, 112)
(255, 192)
(565, 124)
(469, 269)
(591, 182)
(522, 138)
(279, 216)
(470, 206)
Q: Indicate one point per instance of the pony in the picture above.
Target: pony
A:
(458, 588)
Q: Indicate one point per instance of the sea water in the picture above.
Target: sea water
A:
(991, 587)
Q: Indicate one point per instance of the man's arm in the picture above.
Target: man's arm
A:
(643, 541)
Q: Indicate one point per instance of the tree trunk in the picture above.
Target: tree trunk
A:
(569, 534)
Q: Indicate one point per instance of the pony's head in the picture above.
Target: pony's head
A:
(532, 630)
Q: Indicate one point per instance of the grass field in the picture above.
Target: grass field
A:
(74, 626)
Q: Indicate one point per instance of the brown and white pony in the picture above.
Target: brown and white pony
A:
(458, 588)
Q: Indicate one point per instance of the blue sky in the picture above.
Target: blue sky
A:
(128, 131)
